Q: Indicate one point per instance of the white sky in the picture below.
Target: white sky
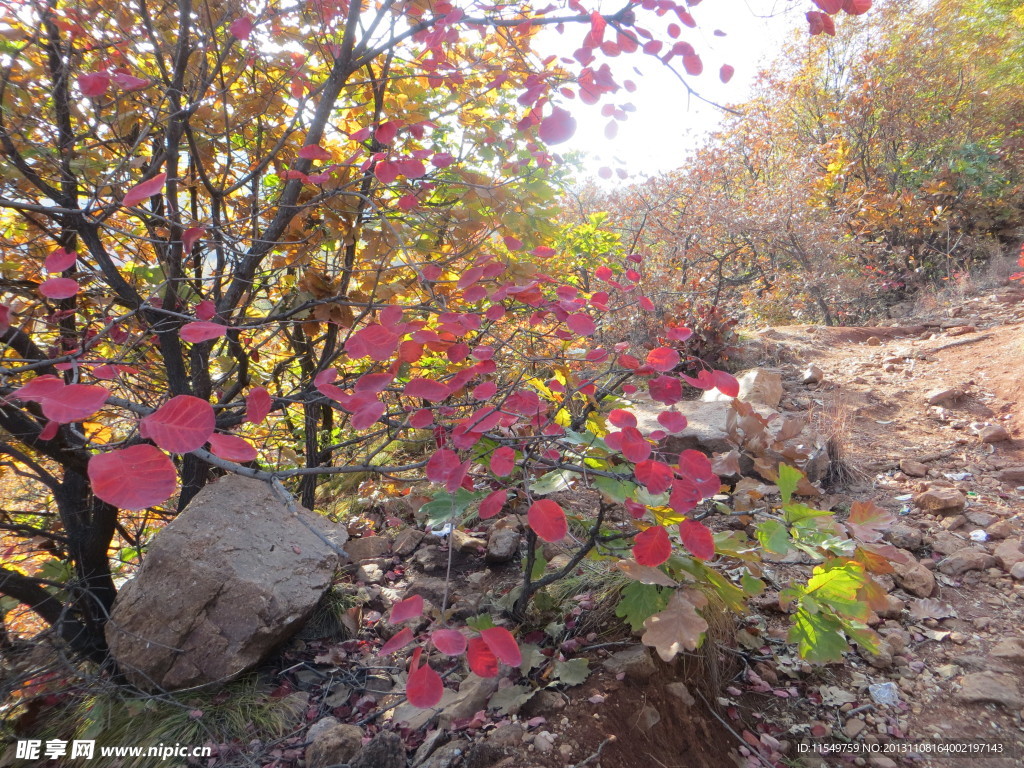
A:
(666, 123)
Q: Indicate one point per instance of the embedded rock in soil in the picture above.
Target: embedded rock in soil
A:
(1011, 648)
(984, 687)
(904, 536)
(634, 662)
(332, 745)
(367, 548)
(913, 468)
(1010, 475)
(502, 545)
(994, 433)
(914, 577)
(812, 374)
(943, 395)
(942, 501)
(385, 751)
(224, 583)
(966, 560)
(1017, 571)
(448, 756)
(1008, 553)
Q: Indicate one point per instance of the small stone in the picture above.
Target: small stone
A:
(904, 536)
(333, 743)
(853, 727)
(502, 545)
(914, 577)
(946, 501)
(1017, 571)
(999, 530)
(873, 341)
(634, 662)
(431, 559)
(1011, 648)
(406, 542)
(966, 560)
(1008, 553)
(943, 395)
(952, 523)
(812, 374)
(981, 519)
(367, 548)
(913, 468)
(1010, 475)
(648, 718)
(544, 742)
(994, 433)
(990, 687)
(681, 692)
(370, 573)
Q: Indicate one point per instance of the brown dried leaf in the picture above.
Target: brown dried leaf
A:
(930, 608)
(645, 574)
(679, 627)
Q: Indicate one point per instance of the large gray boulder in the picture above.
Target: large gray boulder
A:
(229, 579)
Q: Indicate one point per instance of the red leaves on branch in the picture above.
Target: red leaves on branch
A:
(232, 448)
(133, 478)
(503, 460)
(428, 389)
(241, 27)
(75, 402)
(450, 642)
(667, 390)
(503, 645)
(697, 538)
(622, 418)
(818, 22)
(190, 237)
(581, 323)
(631, 443)
(481, 658)
(201, 330)
(663, 359)
(58, 288)
(59, 260)
(726, 72)
(857, 7)
(672, 421)
(652, 547)
(547, 519)
(410, 608)
(182, 424)
(144, 190)
(557, 127)
(445, 468)
(93, 84)
(656, 475)
(398, 641)
(257, 405)
(424, 688)
(695, 467)
(829, 6)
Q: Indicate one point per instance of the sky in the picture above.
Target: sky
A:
(667, 122)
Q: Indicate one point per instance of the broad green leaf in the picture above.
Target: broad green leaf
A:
(818, 636)
(616, 490)
(639, 602)
(552, 482)
(837, 586)
(773, 536)
(446, 506)
(572, 672)
(794, 513)
(509, 700)
(788, 480)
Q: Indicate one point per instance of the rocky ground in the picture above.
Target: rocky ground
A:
(926, 416)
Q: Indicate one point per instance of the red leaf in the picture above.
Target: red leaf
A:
(232, 448)
(314, 152)
(856, 7)
(374, 341)
(366, 411)
(652, 547)
(678, 333)
(485, 390)
(547, 519)
(656, 475)
(428, 389)
(49, 431)
(398, 641)
(5, 318)
(503, 645)
(421, 419)
(128, 82)
(503, 461)
(726, 72)
(663, 359)
(60, 260)
(622, 418)
(704, 380)
(241, 27)
(205, 309)
(557, 127)
(190, 237)
(636, 509)
(684, 496)
(450, 642)
(512, 242)
(692, 64)
(581, 324)
(424, 688)
(696, 467)
(444, 468)
(481, 658)
(182, 424)
(58, 288)
(673, 421)
(144, 190)
(257, 405)
(697, 538)
(93, 84)
(829, 6)
(726, 383)
(133, 478)
(201, 330)
(492, 504)
(40, 388)
(666, 389)
(75, 402)
(633, 445)
(410, 608)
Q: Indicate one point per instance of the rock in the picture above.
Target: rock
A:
(943, 501)
(471, 697)
(881, 658)
(980, 519)
(904, 536)
(448, 756)
(881, 761)
(943, 395)
(544, 742)
(812, 374)
(705, 429)
(681, 692)
(893, 609)
(966, 560)
(371, 573)
(1011, 648)
(913, 468)
(914, 577)
(1017, 571)
(431, 559)
(853, 727)
(385, 751)
(544, 704)
(466, 544)
(1010, 475)
(873, 341)
(406, 542)
(367, 548)
(758, 385)
(223, 584)
(502, 545)
(337, 743)
(1000, 529)
(990, 687)
(994, 433)
(1008, 553)
(635, 663)
(946, 543)
(648, 718)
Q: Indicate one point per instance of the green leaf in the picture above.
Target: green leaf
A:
(572, 672)
(639, 602)
(616, 490)
(752, 585)
(837, 586)
(481, 622)
(533, 657)
(540, 563)
(818, 636)
(794, 513)
(446, 506)
(552, 482)
(773, 536)
(788, 480)
(509, 701)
